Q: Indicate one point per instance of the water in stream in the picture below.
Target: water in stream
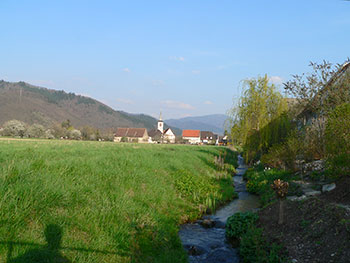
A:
(209, 244)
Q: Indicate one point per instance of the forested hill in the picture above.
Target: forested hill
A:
(32, 104)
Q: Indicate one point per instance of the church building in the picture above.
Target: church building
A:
(160, 135)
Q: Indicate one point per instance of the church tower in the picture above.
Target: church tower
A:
(160, 123)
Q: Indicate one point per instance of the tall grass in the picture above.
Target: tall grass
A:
(110, 202)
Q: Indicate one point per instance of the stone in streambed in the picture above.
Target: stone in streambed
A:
(208, 223)
(328, 187)
(195, 251)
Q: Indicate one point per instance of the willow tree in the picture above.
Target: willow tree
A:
(260, 104)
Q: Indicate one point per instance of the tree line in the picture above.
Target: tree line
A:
(64, 130)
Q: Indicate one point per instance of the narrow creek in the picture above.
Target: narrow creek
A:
(209, 244)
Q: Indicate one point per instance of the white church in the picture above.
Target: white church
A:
(160, 135)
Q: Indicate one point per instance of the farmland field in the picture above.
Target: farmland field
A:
(71, 201)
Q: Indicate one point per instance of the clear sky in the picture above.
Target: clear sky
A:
(182, 57)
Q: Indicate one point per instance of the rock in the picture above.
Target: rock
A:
(311, 192)
(328, 187)
(346, 207)
(303, 184)
(315, 166)
(296, 198)
(219, 224)
(207, 223)
(292, 198)
(194, 251)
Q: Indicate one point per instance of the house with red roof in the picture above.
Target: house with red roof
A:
(192, 136)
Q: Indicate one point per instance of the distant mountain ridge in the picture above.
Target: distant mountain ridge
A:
(32, 104)
(214, 123)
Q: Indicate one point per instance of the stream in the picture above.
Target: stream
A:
(209, 244)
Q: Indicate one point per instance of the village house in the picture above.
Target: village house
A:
(223, 140)
(131, 135)
(169, 136)
(160, 135)
(192, 136)
(208, 137)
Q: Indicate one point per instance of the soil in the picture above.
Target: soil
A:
(314, 230)
(341, 194)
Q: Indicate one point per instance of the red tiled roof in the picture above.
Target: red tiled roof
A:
(191, 133)
(130, 132)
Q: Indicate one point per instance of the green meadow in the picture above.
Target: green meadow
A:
(72, 201)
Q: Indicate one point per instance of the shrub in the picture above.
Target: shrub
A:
(259, 182)
(74, 134)
(255, 249)
(314, 138)
(14, 128)
(338, 139)
(238, 224)
(36, 131)
(49, 134)
(284, 155)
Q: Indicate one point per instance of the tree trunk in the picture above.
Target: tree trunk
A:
(280, 218)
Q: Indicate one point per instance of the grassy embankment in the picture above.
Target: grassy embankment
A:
(109, 202)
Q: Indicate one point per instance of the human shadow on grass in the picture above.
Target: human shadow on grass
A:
(49, 253)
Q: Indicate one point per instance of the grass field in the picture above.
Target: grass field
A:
(103, 202)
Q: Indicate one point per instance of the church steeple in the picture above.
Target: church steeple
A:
(160, 123)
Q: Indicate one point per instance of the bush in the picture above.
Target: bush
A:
(14, 128)
(74, 134)
(338, 140)
(49, 134)
(35, 131)
(255, 249)
(284, 155)
(259, 182)
(238, 224)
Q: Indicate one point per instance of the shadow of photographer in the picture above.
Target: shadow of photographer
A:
(49, 253)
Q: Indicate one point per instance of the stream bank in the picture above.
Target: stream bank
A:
(207, 242)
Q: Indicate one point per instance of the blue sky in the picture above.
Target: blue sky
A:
(186, 58)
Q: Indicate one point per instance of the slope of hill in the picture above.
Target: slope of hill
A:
(214, 123)
(32, 104)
